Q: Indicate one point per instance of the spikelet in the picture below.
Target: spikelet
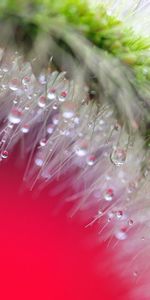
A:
(80, 119)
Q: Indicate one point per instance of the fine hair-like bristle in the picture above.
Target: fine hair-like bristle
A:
(78, 115)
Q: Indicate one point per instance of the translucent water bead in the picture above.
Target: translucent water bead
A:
(118, 156)
(42, 142)
(91, 160)
(51, 95)
(39, 162)
(56, 119)
(119, 214)
(4, 154)
(121, 235)
(42, 78)
(25, 128)
(68, 110)
(42, 101)
(14, 84)
(50, 128)
(15, 116)
(109, 195)
(26, 81)
(81, 148)
(62, 96)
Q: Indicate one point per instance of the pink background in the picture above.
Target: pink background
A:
(44, 255)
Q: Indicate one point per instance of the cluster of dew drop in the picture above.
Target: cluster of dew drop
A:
(67, 137)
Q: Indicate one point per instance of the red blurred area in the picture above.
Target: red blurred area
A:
(44, 255)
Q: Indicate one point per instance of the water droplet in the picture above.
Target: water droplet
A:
(4, 154)
(119, 214)
(15, 101)
(10, 125)
(42, 78)
(51, 95)
(76, 120)
(42, 101)
(130, 222)
(25, 128)
(62, 96)
(109, 194)
(3, 141)
(81, 148)
(55, 106)
(39, 161)
(15, 116)
(118, 156)
(68, 110)
(14, 84)
(42, 142)
(91, 160)
(56, 119)
(26, 80)
(121, 235)
(50, 129)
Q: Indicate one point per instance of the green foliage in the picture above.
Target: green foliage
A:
(104, 31)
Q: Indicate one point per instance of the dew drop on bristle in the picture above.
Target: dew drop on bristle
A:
(81, 148)
(55, 106)
(91, 160)
(15, 116)
(68, 110)
(118, 156)
(4, 154)
(10, 125)
(25, 128)
(27, 107)
(56, 119)
(26, 81)
(50, 129)
(109, 195)
(130, 222)
(15, 101)
(119, 214)
(42, 101)
(51, 95)
(42, 78)
(14, 84)
(39, 162)
(121, 235)
(42, 142)
(62, 96)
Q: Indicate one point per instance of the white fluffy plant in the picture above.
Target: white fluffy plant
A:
(82, 119)
(134, 12)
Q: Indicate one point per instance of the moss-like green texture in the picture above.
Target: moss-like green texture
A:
(104, 31)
